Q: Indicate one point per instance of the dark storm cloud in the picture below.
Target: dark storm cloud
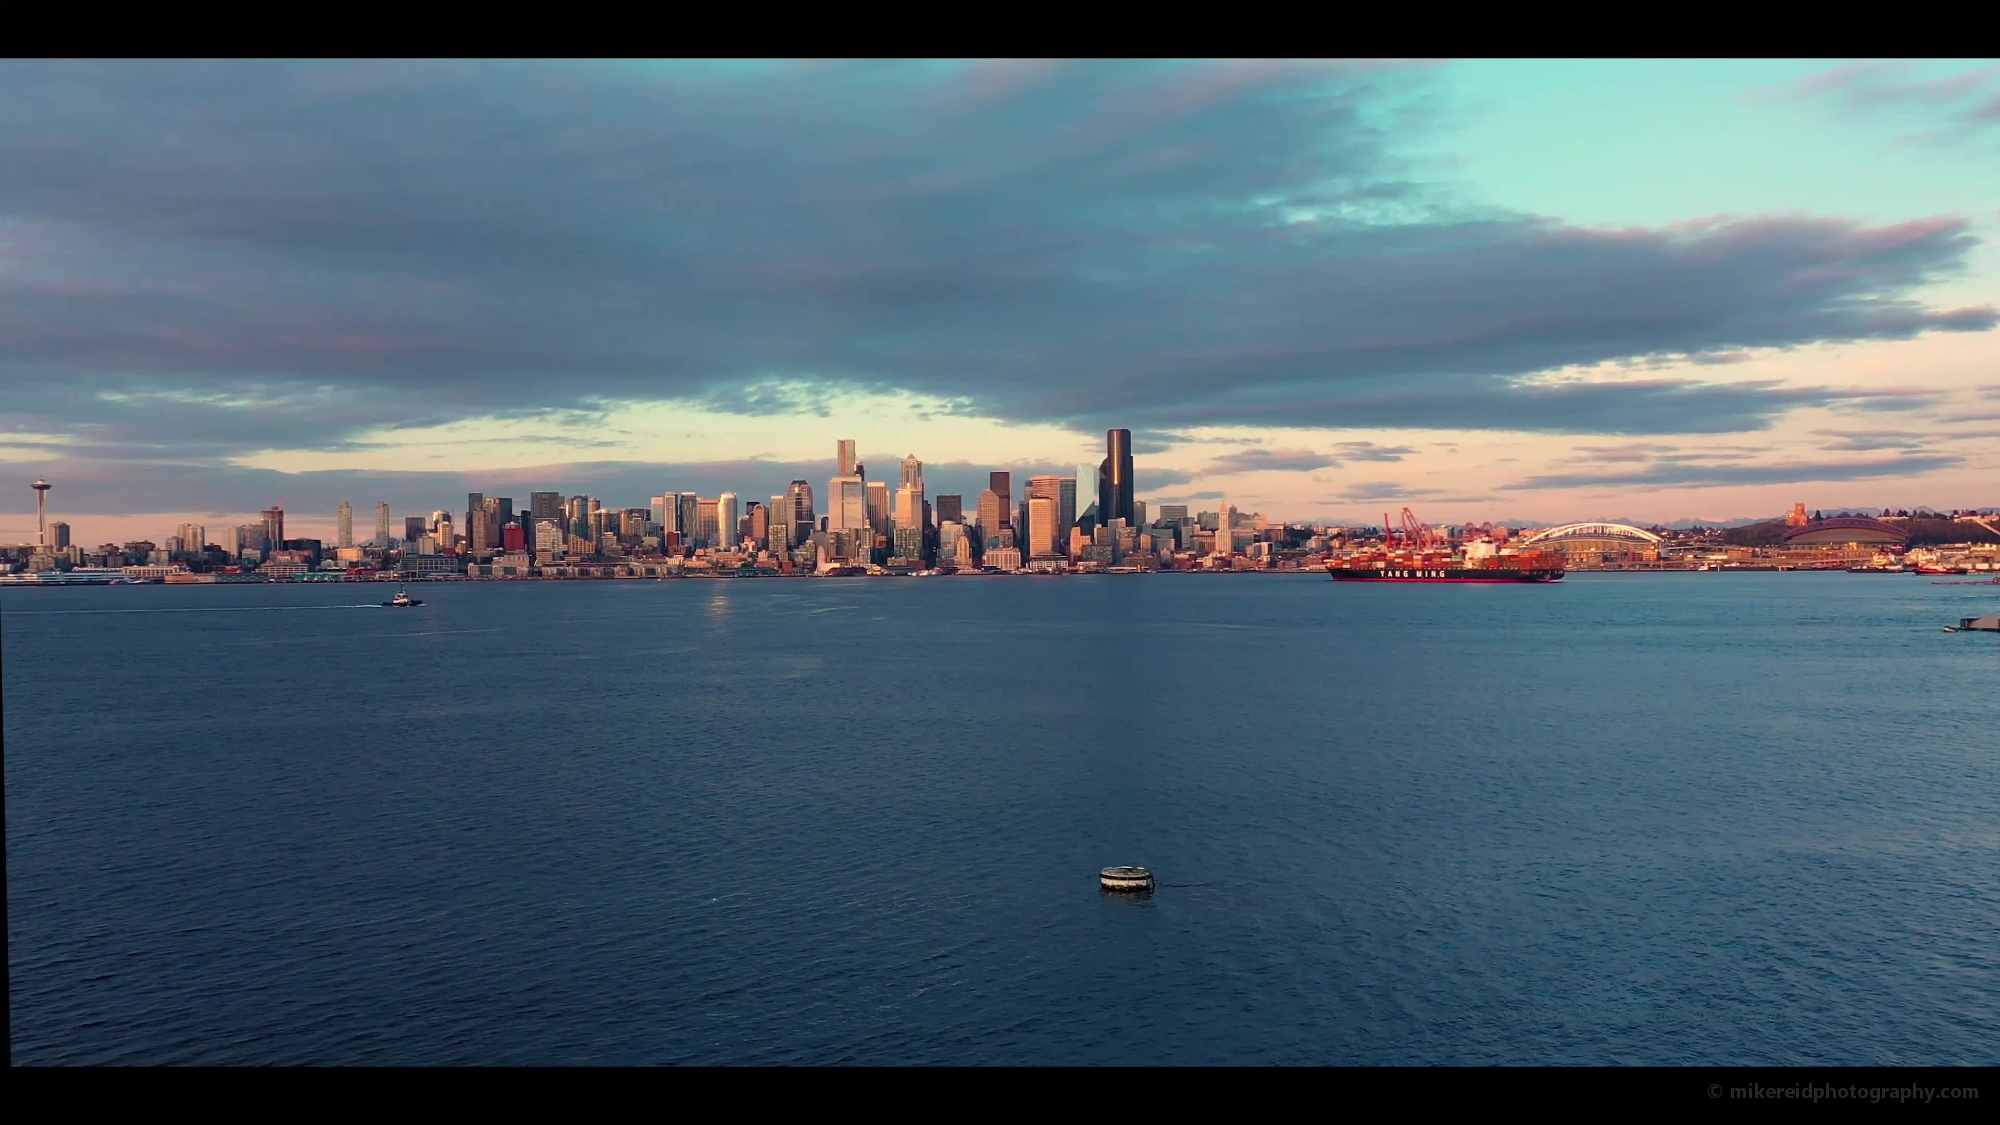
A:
(1680, 474)
(288, 255)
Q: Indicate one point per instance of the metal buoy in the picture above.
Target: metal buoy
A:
(1126, 879)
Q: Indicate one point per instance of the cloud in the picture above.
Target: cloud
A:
(1364, 491)
(204, 260)
(1303, 460)
(1269, 460)
(1869, 84)
(1369, 451)
(1889, 87)
(1146, 479)
(1864, 441)
(1891, 402)
(1635, 407)
(1682, 474)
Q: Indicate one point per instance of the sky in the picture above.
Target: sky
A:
(1515, 291)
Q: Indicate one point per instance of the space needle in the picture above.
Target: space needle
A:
(41, 513)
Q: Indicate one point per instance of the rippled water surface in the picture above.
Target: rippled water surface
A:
(1624, 819)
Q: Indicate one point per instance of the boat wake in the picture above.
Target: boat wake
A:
(193, 609)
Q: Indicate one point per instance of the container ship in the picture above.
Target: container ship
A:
(1419, 554)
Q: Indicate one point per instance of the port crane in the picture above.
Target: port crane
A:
(1415, 534)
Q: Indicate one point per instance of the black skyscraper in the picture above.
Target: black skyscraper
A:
(1114, 478)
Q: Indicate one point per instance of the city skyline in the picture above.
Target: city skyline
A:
(1492, 291)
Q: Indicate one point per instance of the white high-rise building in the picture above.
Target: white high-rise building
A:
(548, 537)
(343, 519)
(844, 457)
(727, 517)
(382, 523)
(913, 474)
(193, 537)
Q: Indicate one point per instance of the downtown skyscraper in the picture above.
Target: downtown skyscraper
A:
(909, 511)
(1048, 529)
(1001, 485)
(801, 522)
(846, 493)
(688, 516)
(727, 519)
(1114, 479)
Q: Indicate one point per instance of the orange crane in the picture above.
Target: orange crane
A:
(1415, 534)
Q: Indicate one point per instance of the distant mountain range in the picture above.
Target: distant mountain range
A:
(1677, 525)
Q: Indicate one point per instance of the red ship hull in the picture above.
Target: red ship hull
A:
(1443, 574)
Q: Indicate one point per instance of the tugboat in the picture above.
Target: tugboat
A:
(402, 600)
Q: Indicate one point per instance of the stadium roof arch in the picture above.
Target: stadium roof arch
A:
(1618, 531)
(1847, 529)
